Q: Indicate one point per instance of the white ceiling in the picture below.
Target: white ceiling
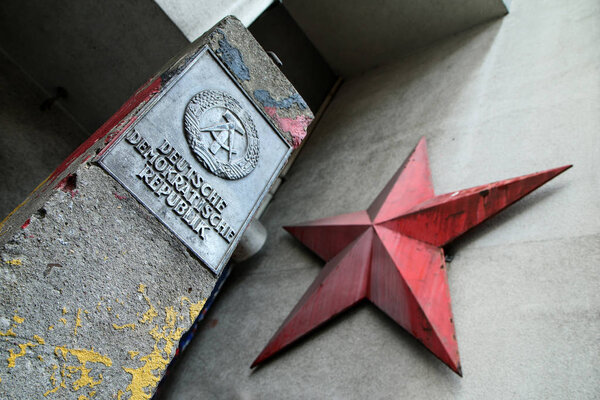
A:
(194, 17)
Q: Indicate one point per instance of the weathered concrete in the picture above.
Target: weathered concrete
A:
(96, 292)
(276, 31)
(515, 96)
(355, 36)
(94, 283)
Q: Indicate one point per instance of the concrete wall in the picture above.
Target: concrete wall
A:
(515, 96)
(355, 36)
(32, 141)
(100, 51)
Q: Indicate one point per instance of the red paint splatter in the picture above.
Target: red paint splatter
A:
(296, 127)
(143, 94)
(26, 223)
(68, 184)
(112, 137)
(119, 197)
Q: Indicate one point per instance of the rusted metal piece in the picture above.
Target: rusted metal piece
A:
(391, 254)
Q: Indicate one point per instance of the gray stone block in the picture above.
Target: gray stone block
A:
(96, 291)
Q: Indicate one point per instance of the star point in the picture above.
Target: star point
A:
(392, 255)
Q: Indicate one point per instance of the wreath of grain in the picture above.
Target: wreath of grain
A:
(203, 101)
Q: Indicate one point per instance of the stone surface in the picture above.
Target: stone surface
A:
(511, 97)
(262, 79)
(100, 285)
(96, 291)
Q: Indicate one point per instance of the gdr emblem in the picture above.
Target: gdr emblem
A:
(221, 134)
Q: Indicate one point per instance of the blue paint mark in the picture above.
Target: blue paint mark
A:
(267, 100)
(233, 58)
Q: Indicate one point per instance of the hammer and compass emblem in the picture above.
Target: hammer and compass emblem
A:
(224, 134)
(221, 134)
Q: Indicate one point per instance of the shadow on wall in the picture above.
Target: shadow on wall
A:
(373, 121)
(100, 51)
(32, 141)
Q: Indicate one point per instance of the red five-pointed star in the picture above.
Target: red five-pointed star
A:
(391, 254)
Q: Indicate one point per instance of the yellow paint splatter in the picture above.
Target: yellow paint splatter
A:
(151, 312)
(64, 310)
(40, 358)
(92, 393)
(53, 380)
(14, 261)
(12, 356)
(121, 327)
(63, 320)
(105, 258)
(195, 308)
(133, 353)
(98, 306)
(118, 301)
(148, 375)
(84, 357)
(82, 397)
(51, 328)
(109, 308)
(52, 377)
(9, 332)
(119, 394)
(118, 316)
(86, 312)
(77, 321)
(18, 319)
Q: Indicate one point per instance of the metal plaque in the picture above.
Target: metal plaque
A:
(200, 156)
